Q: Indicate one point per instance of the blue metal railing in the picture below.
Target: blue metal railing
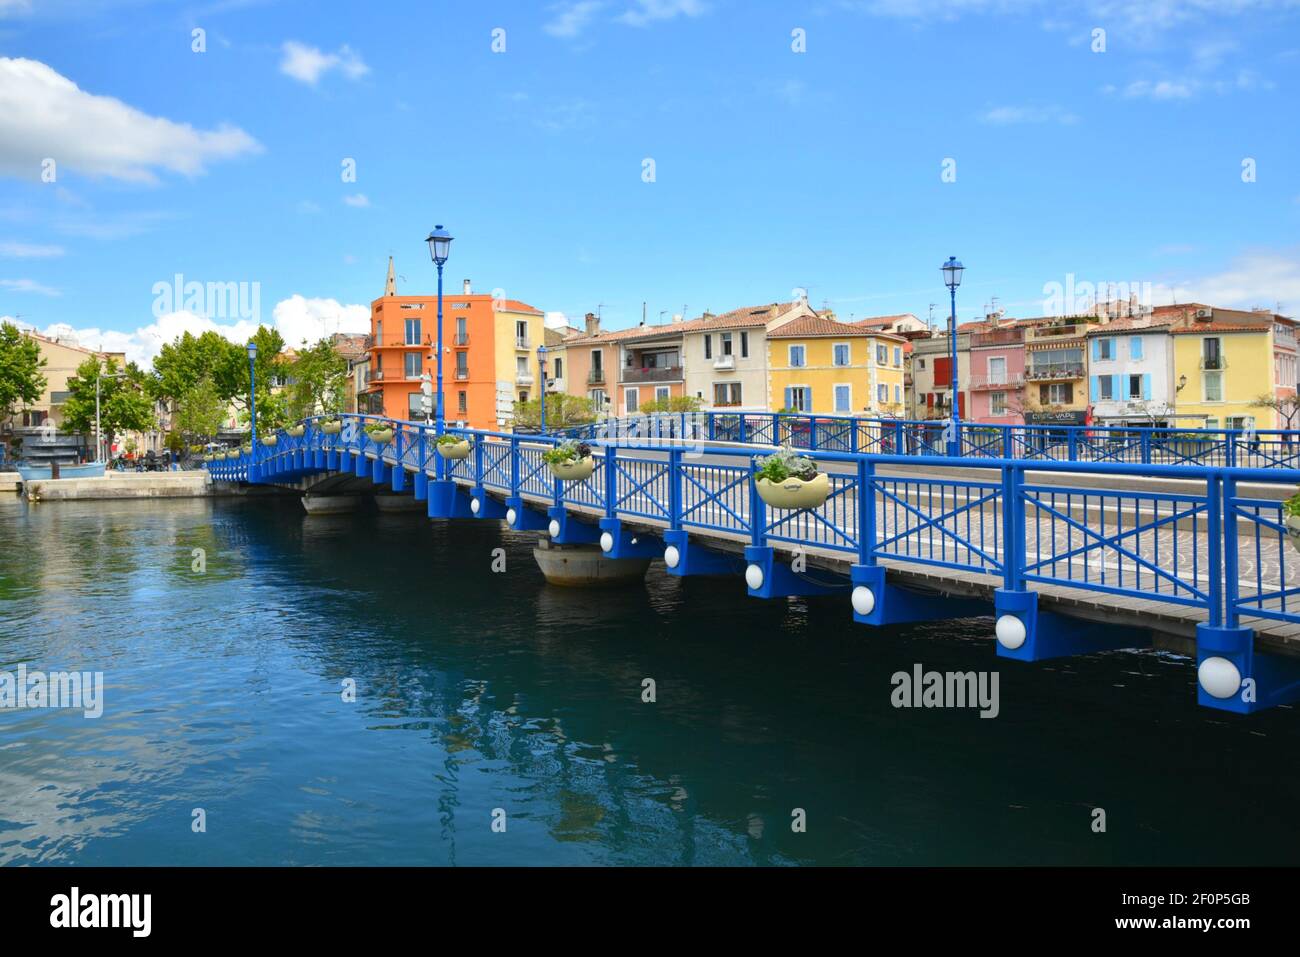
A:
(1217, 542)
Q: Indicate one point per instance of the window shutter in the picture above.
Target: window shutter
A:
(1096, 349)
(1146, 386)
(1094, 389)
(789, 398)
(1117, 391)
(1136, 348)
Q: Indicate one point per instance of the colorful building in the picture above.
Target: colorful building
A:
(489, 355)
(1056, 371)
(727, 355)
(1131, 377)
(823, 366)
(930, 395)
(997, 375)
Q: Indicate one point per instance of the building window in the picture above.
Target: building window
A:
(726, 393)
(882, 393)
(662, 393)
(798, 398)
(898, 393)
(559, 367)
(523, 396)
(1211, 354)
(1058, 393)
(462, 402)
(462, 366)
(379, 332)
(598, 399)
(840, 354)
(898, 355)
(708, 346)
(797, 357)
(415, 406)
(521, 333)
(997, 370)
(521, 365)
(1135, 387)
(997, 403)
(411, 365)
(1213, 385)
(882, 355)
(724, 343)
(744, 345)
(412, 332)
(1103, 349)
(462, 331)
(1242, 423)
(920, 363)
(843, 397)
(1105, 388)
(631, 400)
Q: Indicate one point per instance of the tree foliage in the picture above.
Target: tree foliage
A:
(21, 381)
(201, 409)
(319, 381)
(125, 404)
(676, 403)
(562, 411)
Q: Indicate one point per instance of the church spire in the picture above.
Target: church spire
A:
(390, 287)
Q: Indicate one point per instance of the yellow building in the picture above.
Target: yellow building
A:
(1227, 360)
(823, 366)
(519, 330)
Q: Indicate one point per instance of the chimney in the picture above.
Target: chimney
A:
(677, 317)
(593, 324)
(467, 287)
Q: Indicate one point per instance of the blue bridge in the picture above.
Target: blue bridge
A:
(1074, 540)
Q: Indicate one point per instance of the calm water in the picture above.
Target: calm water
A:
(479, 691)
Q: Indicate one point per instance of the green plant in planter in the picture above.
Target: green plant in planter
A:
(451, 439)
(1291, 507)
(783, 464)
(567, 452)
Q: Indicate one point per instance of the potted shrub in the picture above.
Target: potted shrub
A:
(233, 453)
(786, 479)
(380, 433)
(1291, 518)
(296, 430)
(570, 461)
(270, 440)
(331, 426)
(453, 446)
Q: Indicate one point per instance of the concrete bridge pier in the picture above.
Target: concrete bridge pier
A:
(329, 504)
(586, 566)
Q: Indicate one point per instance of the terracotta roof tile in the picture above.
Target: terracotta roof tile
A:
(807, 327)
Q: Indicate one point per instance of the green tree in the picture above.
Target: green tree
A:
(200, 410)
(319, 381)
(562, 411)
(21, 381)
(124, 403)
(677, 403)
(182, 363)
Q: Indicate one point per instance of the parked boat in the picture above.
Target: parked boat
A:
(32, 473)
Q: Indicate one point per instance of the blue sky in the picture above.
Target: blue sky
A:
(773, 169)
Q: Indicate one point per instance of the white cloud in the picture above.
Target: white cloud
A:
(28, 285)
(11, 250)
(306, 206)
(572, 18)
(1160, 90)
(1257, 278)
(359, 200)
(308, 64)
(296, 318)
(45, 115)
(645, 12)
(10, 7)
(1013, 115)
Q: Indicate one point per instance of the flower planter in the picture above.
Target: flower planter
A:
(1293, 530)
(331, 426)
(233, 454)
(381, 436)
(575, 470)
(296, 430)
(270, 441)
(454, 450)
(795, 493)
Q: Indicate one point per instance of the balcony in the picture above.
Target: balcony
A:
(1007, 381)
(393, 375)
(1055, 370)
(1213, 363)
(521, 342)
(461, 340)
(664, 374)
(724, 362)
(596, 377)
(997, 337)
(1057, 332)
(462, 372)
(524, 378)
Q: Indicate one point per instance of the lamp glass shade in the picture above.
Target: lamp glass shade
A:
(252, 350)
(439, 245)
(952, 271)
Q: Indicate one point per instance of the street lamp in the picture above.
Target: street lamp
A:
(439, 249)
(99, 436)
(252, 407)
(541, 367)
(952, 271)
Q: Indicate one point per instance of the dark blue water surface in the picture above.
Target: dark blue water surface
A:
(479, 691)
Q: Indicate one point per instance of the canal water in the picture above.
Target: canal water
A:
(488, 696)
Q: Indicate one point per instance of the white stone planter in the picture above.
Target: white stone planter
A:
(454, 450)
(574, 470)
(1293, 530)
(296, 431)
(331, 426)
(795, 493)
(381, 436)
(270, 441)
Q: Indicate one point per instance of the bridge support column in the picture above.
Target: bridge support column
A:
(318, 459)
(768, 578)
(484, 505)
(684, 557)
(379, 471)
(1232, 676)
(299, 461)
(523, 519)
(586, 566)
(617, 542)
(332, 461)
(399, 478)
(565, 529)
(420, 490)
(361, 468)
(876, 602)
(1027, 634)
(447, 501)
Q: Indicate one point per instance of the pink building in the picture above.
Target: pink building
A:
(997, 376)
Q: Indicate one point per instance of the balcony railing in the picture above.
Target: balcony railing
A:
(521, 342)
(462, 372)
(462, 338)
(1005, 381)
(998, 337)
(724, 362)
(524, 378)
(1055, 370)
(663, 374)
(596, 377)
(1214, 363)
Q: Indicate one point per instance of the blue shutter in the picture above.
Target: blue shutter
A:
(1135, 350)
(1117, 388)
(1095, 389)
(1096, 349)
(789, 398)
(1146, 386)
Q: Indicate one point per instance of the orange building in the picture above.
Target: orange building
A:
(488, 360)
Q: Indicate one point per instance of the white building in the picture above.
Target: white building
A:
(1131, 372)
